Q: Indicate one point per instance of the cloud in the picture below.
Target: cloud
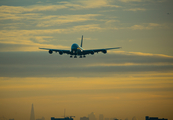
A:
(19, 16)
(153, 1)
(96, 4)
(111, 22)
(73, 5)
(42, 20)
(145, 26)
(88, 4)
(136, 9)
(12, 33)
(33, 8)
(43, 64)
(126, 1)
(138, 53)
(90, 27)
(32, 39)
(26, 40)
(28, 47)
(59, 20)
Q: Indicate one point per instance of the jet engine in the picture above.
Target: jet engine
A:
(104, 51)
(60, 52)
(50, 51)
(92, 52)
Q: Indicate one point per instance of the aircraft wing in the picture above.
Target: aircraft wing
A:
(101, 50)
(57, 50)
(98, 50)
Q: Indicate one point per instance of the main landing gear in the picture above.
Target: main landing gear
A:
(81, 56)
(72, 56)
(76, 56)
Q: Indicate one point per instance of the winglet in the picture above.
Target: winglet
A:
(81, 41)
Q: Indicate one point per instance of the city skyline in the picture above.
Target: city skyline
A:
(136, 80)
(90, 116)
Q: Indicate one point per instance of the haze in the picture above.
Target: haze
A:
(136, 80)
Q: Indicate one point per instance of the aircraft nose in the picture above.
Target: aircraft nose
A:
(74, 47)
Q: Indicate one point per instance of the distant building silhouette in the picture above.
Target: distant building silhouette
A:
(65, 118)
(153, 118)
(134, 118)
(113, 119)
(101, 117)
(32, 117)
(41, 118)
(84, 118)
(106, 118)
(92, 116)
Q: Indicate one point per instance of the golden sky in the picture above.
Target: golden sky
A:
(136, 80)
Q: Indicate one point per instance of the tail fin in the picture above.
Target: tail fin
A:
(81, 41)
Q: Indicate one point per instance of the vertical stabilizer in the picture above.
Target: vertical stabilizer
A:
(81, 41)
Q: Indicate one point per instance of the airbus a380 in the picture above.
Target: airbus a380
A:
(77, 50)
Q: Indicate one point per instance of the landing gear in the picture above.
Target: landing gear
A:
(71, 56)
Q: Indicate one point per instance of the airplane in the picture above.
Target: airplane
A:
(77, 50)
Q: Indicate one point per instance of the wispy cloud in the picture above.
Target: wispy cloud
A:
(27, 47)
(130, 64)
(19, 16)
(85, 4)
(126, 1)
(89, 4)
(151, 1)
(33, 8)
(19, 33)
(42, 20)
(97, 4)
(92, 66)
(59, 20)
(136, 9)
(32, 39)
(139, 54)
(145, 26)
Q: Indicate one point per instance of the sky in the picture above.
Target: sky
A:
(134, 81)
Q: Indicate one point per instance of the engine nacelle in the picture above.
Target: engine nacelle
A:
(104, 51)
(60, 52)
(92, 52)
(50, 51)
